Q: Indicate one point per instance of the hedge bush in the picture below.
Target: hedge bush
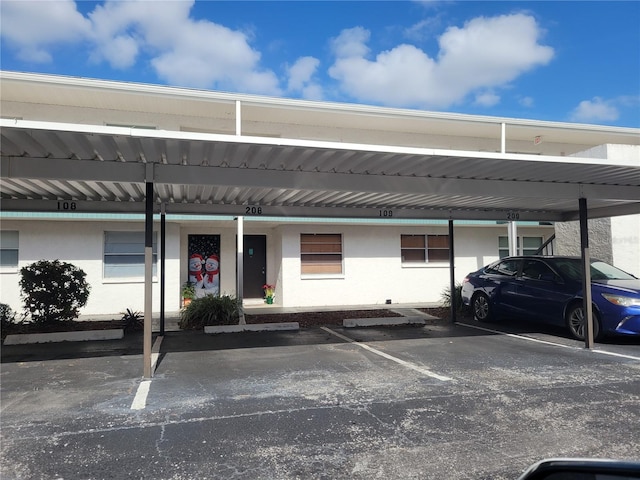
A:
(7, 315)
(53, 291)
(210, 310)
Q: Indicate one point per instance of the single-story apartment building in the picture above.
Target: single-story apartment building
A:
(314, 253)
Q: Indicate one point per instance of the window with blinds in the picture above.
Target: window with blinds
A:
(9, 251)
(424, 248)
(124, 255)
(524, 245)
(321, 253)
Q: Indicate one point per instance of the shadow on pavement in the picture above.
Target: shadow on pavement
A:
(190, 341)
(194, 341)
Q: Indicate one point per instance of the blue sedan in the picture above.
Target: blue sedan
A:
(549, 289)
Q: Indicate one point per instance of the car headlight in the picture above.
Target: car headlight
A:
(622, 300)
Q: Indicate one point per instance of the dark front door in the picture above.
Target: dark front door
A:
(255, 265)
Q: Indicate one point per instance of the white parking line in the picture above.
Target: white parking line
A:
(621, 355)
(140, 400)
(515, 335)
(404, 363)
(524, 337)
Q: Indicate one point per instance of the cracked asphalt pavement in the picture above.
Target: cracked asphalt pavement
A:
(430, 402)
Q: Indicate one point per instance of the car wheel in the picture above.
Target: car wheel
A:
(482, 310)
(576, 323)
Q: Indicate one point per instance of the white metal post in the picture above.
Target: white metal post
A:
(513, 238)
(240, 267)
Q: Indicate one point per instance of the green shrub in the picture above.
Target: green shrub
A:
(7, 315)
(210, 310)
(132, 321)
(457, 297)
(53, 291)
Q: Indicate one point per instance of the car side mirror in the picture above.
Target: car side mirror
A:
(582, 469)
(550, 277)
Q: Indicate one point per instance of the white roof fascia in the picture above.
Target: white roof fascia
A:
(313, 144)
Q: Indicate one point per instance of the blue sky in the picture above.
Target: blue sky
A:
(553, 60)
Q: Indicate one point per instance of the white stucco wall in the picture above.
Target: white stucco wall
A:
(373, 271)
(82, 244)
(625, 239)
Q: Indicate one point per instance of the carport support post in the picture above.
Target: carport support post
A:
(452, 274)
(586, 275)
(163, 255)
(240, 268)
(148, 279)
(513, 238)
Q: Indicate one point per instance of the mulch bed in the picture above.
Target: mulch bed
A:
(305, 319)
(311, 319)
(70, 326)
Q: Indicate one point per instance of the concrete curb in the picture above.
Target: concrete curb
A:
(254, 327)
(77, 336)
(372, 322)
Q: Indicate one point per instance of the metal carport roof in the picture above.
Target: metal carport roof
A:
(104, 168)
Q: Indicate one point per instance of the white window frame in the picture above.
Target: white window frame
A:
(307, 274)
(520, 241)
(139, 252)
(10, 241)
(424, 250)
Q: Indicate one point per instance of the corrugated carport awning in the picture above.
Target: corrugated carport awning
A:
(103, 169)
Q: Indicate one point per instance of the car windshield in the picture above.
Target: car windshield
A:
(572, 268)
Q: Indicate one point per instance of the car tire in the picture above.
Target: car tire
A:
(576, 323)
(482, 309)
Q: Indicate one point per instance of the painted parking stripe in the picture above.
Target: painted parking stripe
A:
(613, 354)
(399, 361)
(536, 340)
(515, 335)
(140, 400)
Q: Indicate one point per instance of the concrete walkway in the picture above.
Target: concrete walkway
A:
(253, 307)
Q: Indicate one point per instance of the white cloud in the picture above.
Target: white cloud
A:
(301, 78)
(486, 53)
(32, 28)
(183, 51)
(422, 30)
(487, 99)
(596, 109)
(526, 102)
(351, 43)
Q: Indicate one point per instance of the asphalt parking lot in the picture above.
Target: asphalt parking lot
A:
(433, 402)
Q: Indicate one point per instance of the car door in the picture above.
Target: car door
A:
(541, 293)
(501, 284)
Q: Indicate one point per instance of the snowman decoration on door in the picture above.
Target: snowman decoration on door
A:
(211, 281)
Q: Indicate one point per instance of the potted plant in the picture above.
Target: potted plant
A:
(269, 290)
(188, 293)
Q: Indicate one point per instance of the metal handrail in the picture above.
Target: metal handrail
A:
(543, 247)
